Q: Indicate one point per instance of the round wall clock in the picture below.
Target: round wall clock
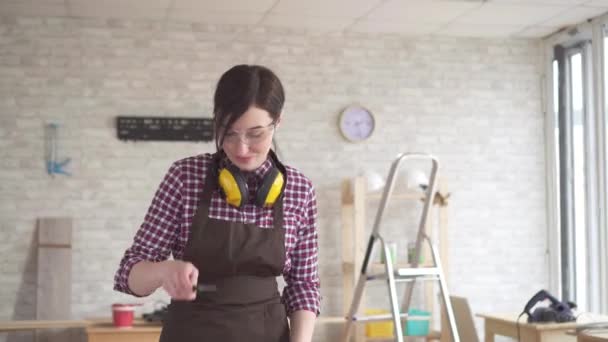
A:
(356, 123)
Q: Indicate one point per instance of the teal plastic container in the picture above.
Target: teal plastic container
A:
(417, 327)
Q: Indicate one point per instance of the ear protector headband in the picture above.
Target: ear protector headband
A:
(233, 184)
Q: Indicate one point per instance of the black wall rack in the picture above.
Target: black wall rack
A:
(150, 128)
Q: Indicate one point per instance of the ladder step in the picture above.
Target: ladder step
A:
(400, 279)
(404, 274)
(414, 272)
(371, 318)
(386, 317)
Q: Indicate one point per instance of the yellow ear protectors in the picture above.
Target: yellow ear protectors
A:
(234, 186)
(270, 189)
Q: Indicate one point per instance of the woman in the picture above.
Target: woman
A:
(233, 221)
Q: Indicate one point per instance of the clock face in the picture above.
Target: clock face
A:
(356, 123)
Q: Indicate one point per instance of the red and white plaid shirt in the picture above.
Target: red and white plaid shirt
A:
(166, 227)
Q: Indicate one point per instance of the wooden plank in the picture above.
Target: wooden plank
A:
(93, 323)
(353, 249)
(54, 281)
(464, 320)
(442, 209)
(443, 230)
(110, 328)
(123, 336)
(54, 291)
(593, 336)
(26, 325)
(428, 286)
(348, 250)
(55, 231)
(139, 332)
(506, 325)
(359, 242)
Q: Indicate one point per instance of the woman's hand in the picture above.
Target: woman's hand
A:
(179, 278)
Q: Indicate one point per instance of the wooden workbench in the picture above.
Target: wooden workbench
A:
(102, 329)
(8, 326)
(593, 336)
(139, 332)
(97, 330)
(507, 325)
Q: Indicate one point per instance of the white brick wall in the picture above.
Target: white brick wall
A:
(475, 103)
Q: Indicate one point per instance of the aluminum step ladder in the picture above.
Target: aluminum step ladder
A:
(410, 274)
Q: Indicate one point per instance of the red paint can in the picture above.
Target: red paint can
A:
(123, 314)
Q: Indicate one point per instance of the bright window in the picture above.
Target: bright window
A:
(578, 183)
(578, 231)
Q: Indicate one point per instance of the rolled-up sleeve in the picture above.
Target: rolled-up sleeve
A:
(302, 290)
(157, 234)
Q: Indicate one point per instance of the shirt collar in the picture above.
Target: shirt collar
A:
(257, 174)
(261, 171)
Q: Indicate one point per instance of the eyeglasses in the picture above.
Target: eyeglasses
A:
(252, 136)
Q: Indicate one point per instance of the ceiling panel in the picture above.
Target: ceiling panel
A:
(572, 16)
(335, 8)
(159, 4)
(122, 11)
(32, 8)
(421, 11)
(33, 2)
(258, 6)
(398, 27)
(467, 30)
(307, 22)
(540, 2)
(536, 32)
(216, 17)
(507, 14)
(598, 3)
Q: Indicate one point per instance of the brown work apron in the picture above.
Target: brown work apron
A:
(238, 264)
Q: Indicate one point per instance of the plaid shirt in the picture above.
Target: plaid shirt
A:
(166, 226)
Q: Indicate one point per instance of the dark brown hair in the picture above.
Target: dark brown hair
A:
(238, 89)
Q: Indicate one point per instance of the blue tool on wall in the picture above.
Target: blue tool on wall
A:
(53, 166)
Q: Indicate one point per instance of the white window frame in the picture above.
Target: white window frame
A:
(596, 124)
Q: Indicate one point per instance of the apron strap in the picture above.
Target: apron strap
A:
(201, 215)
(277, 212)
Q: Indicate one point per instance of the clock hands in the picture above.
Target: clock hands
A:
(362, 127)
(356, 123)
